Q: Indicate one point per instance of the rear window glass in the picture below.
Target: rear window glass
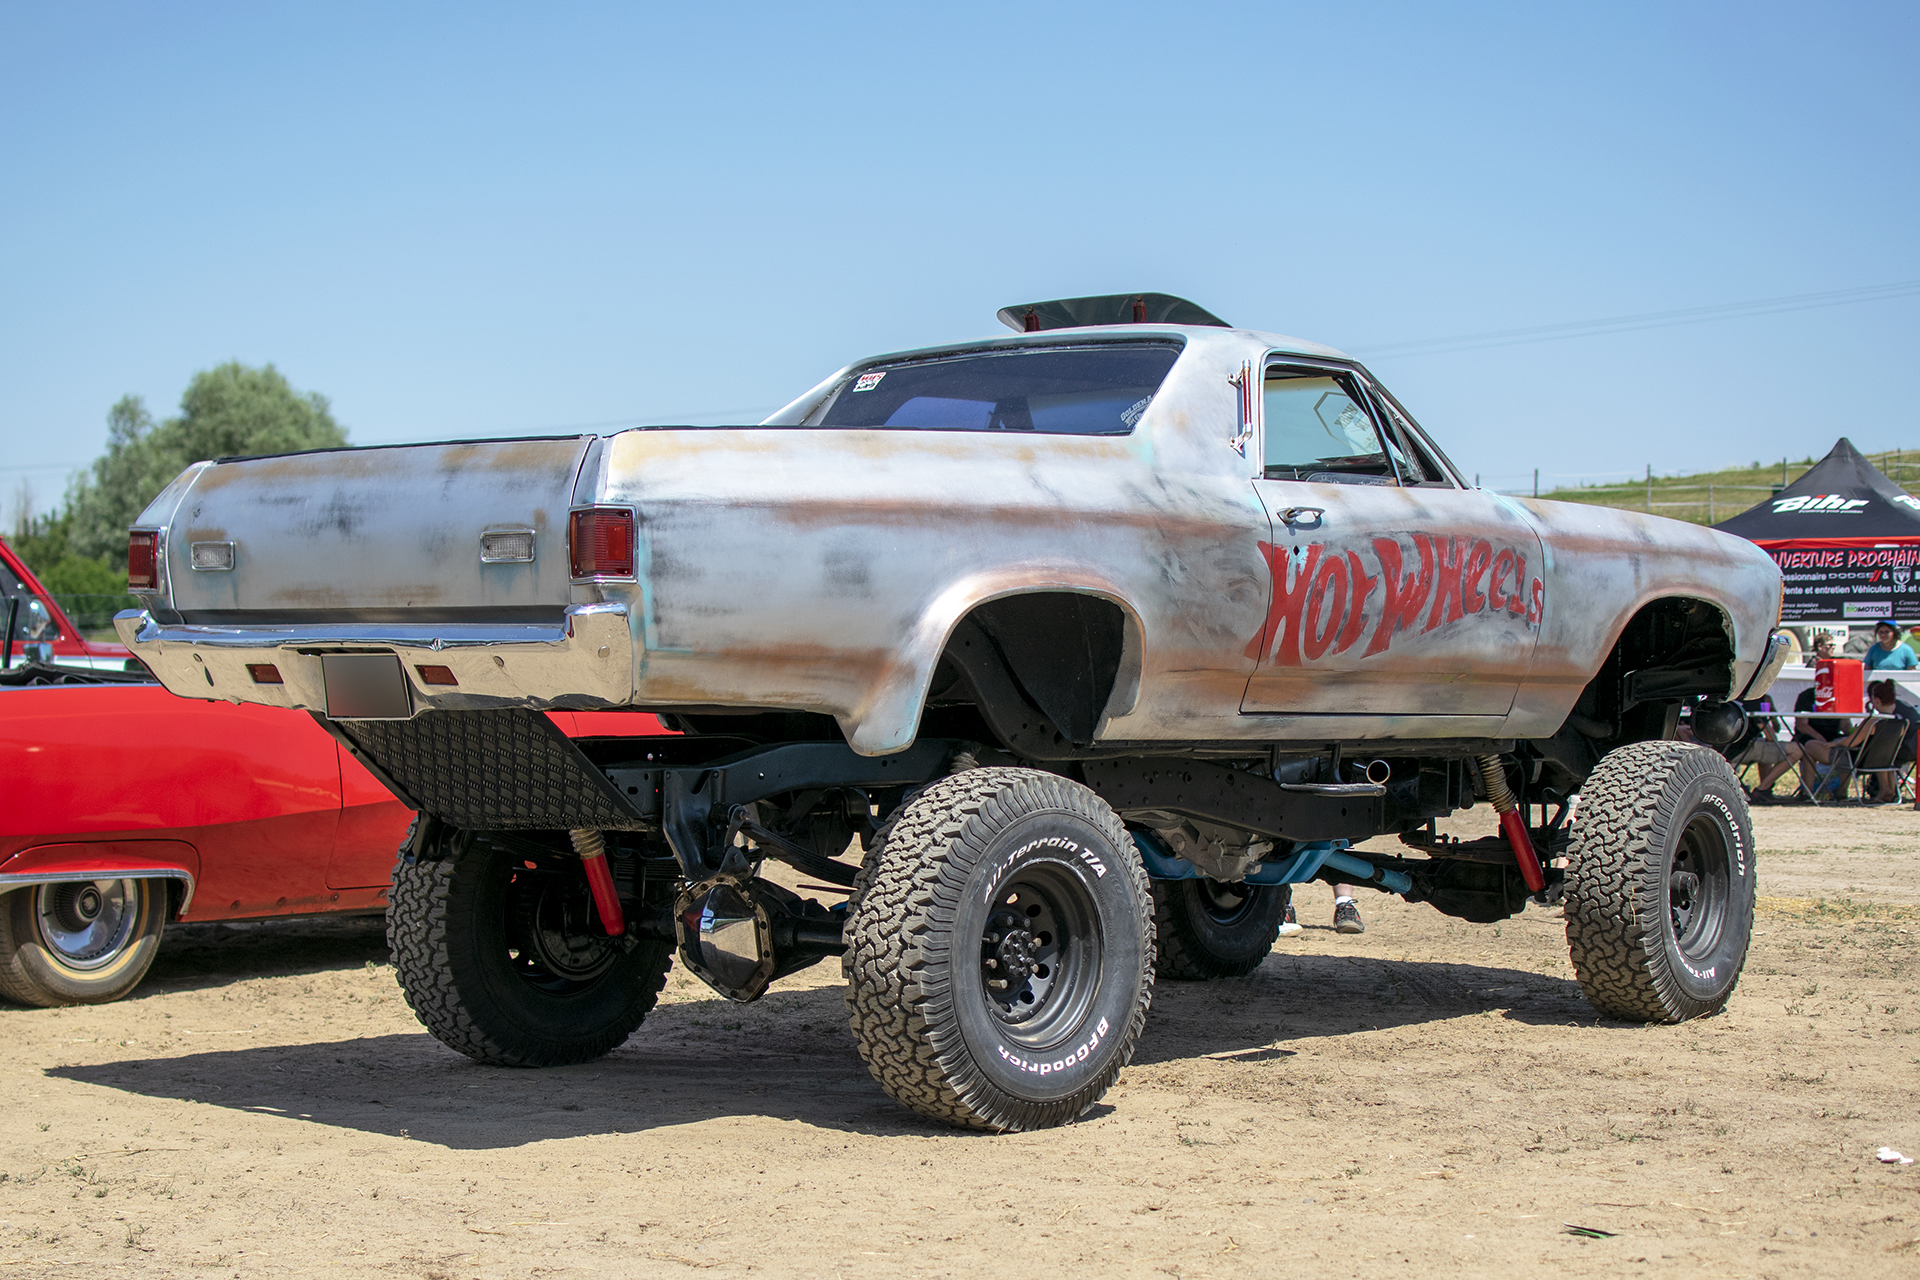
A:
(1082, 391)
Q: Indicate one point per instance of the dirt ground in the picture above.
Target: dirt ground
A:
(1429, 1098)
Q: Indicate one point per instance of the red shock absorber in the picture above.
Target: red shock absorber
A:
(1513, 823)
(592, 848)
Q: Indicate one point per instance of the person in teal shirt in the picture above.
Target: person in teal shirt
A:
(1886, 653)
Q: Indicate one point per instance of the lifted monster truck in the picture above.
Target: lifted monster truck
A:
(1086, 641)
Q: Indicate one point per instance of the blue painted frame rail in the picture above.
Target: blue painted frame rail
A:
(1303, 864)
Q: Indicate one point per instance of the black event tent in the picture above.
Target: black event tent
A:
(1847, 538)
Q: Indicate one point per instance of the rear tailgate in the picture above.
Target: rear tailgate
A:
(385, 534)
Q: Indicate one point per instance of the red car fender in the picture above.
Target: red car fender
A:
(105, 860)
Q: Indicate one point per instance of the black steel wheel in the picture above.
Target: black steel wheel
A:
(79, 942)
(1214, 929)
(999, 958)
(1660, 886)
(501, 958)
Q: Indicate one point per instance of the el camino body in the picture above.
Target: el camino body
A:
(824, 570)
(1127, 590)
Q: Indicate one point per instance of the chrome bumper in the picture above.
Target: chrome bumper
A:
(1778, 647)
(585, 662)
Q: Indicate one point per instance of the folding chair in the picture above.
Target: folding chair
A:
(1881, 757)
(1829, 780)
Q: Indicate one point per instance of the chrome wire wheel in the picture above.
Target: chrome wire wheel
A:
(81, 942)
(88, 924)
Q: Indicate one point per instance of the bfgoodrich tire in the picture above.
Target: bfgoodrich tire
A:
(499, 961)
(1000, 952)
(79, 943)
(1209, 929)
(1660, 884)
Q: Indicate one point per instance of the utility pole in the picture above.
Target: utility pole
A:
(1536, 482)
(1649, 488)
(1783, 471)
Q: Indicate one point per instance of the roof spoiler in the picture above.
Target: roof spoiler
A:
(1112, 308)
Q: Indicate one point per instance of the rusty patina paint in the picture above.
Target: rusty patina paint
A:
(824, 570)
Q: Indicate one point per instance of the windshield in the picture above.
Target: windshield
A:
(31, 619)
(1095, 390)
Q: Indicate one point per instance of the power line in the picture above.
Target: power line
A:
(1646, 320)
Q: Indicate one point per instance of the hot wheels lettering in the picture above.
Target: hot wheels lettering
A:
(1321, 595)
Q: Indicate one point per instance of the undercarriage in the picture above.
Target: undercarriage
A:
(575, 871)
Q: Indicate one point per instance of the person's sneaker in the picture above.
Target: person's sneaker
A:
(1346, 918)
(1289, 923)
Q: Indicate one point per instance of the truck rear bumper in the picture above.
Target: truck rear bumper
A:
(586, 661)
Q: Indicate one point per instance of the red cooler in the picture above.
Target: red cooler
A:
(1839, 685)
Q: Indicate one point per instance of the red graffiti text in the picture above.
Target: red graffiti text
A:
(1324, 599)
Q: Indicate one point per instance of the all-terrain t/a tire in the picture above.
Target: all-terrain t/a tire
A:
(1000, 951)
(1660, 884)
(1210, 929)
(84, 942)
(499, 961)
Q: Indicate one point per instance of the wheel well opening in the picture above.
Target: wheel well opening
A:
(1039, 669)
(1671, 651)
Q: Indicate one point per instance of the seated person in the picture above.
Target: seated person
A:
(1881, 695)
(1887, 653)
(1815, 736)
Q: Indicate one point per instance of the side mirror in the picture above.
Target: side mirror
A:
(35, 621)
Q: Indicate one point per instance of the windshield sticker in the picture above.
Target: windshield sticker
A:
(868, 381)
(1321, 595)
(1131, 414)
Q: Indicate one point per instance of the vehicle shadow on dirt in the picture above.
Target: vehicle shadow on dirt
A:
(1296, 997)
(788, 1057)
(196, 957)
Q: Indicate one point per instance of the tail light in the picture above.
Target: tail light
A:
(143, 560)
(600, 542)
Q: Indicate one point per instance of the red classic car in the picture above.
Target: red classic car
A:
(36, 628)
(124, 807)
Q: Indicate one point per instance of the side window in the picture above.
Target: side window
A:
(1319, 429)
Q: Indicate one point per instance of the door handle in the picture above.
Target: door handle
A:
(1302, 515)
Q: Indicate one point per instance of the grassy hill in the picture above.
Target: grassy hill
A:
(1708, 497)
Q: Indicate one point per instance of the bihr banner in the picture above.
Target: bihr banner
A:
(1843, 581)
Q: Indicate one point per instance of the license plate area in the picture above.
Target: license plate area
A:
(365, 686)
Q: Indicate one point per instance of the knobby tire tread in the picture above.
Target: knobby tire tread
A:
(1181, 957)
(899, 947)
(418, 923)
(1617, 942)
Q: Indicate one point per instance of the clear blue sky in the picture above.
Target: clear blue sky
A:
(472, 220)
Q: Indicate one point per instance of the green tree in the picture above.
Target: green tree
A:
(227, 411)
